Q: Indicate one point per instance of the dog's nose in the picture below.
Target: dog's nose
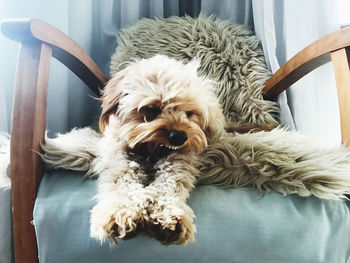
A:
(177, 138)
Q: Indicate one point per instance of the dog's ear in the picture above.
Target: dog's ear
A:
(216, 120)
(193, 65)
(111, 95)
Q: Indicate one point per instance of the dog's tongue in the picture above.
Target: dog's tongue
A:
(152, 148)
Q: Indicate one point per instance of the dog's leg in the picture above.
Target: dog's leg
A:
(121, 200)
(170, 218)
(284, 161)
(119, 212)
(74, 150)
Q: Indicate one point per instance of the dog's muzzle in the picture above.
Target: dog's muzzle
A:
(177, 138)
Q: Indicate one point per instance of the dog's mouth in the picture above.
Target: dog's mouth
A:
(152, 150)
(159, 150)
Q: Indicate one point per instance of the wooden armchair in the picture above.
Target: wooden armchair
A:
(40, 42)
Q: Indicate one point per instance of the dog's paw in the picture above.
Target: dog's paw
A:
(172, 229)
(122, 222)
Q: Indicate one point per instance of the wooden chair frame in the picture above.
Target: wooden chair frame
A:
(40, 41)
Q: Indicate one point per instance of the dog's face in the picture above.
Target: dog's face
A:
(160, 105)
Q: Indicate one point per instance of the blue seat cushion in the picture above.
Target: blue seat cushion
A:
(235, 225)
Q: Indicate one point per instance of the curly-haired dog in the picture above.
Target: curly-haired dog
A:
(162, 131)
(157, 115)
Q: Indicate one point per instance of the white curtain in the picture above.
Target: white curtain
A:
(238, 11)
(284, 28)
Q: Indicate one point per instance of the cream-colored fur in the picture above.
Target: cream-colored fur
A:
(140, 189)
(141, 105)
(147, 192)
(78, 148)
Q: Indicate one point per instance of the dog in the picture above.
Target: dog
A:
(157, 116)
(162, 132)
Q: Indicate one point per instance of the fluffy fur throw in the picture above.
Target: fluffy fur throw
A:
(284, 161)
(230, 54)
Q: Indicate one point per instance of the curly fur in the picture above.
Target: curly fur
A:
(141, 189)
(230, 54)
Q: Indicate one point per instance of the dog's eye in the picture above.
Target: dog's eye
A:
(189, 113)
(150, 113)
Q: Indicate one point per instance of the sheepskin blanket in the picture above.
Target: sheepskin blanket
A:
(230, 54)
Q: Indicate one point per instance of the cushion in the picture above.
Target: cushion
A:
(235, 225)
(229, 53)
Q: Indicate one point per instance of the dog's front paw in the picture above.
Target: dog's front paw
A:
(175, 228)
(111, 222)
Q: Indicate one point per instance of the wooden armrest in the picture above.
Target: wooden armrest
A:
(308, 59)
(63, 48)
(335, 47)
(39, 42)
